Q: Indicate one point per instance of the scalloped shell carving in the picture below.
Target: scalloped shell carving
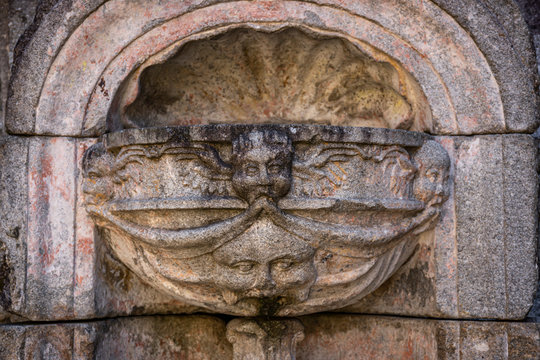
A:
(246, 76)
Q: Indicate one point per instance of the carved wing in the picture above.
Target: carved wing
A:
(201, 167)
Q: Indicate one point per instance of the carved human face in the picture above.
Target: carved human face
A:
(97, 183)
(262, 166)
(265, 263)
(432, 178)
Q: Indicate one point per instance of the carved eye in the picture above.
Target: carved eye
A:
(283, 264)
(252, 170)
(433, 175)
(93, 175)
(243, 266)
(274, 169)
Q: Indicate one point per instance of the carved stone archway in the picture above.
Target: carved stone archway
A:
(268, 160)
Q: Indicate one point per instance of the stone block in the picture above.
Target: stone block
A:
(496, 190)
(51, 230)
(182, 337)
(370, 337)
(328, 337)
(476, 67)
(56, 341)
(479, 262)
(13, 231)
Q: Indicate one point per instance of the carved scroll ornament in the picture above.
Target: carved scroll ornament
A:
(265, 220)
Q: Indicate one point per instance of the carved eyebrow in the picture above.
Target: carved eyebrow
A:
(298, 256)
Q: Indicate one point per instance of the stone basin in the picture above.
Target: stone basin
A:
(271, 220)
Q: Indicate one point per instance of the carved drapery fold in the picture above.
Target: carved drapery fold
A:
(267, 219)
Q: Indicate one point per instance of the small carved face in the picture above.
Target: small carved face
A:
(432, 177)
(262, 165)
(265, 262)
(97, 184)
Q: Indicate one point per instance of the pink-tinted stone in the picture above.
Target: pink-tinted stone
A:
(479, 261)
(472, 91)
(85, 255)
(51, 232)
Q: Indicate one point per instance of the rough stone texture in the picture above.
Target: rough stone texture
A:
(265, 220)
(328, 337)
(54, 21)
(49, 269)
(531, 13)
(488, 229)
(364, 337)
(185, 337)
(282, 77)
(477, 263)
(51, 230)
(4, 63)
(521, 221)
(477, 110)
(264, 339)
(454, 272)
(118, 291)
(13, 230)
(481, 259)
(20, 16)
(501, 33)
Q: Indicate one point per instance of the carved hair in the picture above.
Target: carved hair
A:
(269, 138)
(93, 153)
(432, 154)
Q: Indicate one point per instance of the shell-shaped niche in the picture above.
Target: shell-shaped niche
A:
(289, 76)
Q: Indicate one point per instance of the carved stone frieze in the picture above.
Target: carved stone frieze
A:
(265, 219)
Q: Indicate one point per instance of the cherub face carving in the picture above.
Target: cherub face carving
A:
(265, 262)
(262, 164)
(433, 165)
(97, 168)
(259, 258)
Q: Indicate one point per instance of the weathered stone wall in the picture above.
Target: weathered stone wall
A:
(531, 13)
(479, 262)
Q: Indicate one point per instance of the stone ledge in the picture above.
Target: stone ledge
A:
(327, 337)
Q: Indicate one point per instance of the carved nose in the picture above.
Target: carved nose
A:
(440, 189)
(264, 281)
(264, 178)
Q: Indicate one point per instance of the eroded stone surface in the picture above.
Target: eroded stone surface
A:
(479, 261)
(245, 76)
(363, 337)
(328, 337)
(436, 263)
(427, 285)
(464, 96)
(271, 224)
(13, 231)
(264, 339)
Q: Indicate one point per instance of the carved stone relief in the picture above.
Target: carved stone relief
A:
(287, 76)
(265, 219)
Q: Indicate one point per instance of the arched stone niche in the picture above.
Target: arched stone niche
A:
(69, 88)
(463, 69)
(285, 76)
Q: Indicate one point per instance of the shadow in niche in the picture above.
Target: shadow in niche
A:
(289, 76)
